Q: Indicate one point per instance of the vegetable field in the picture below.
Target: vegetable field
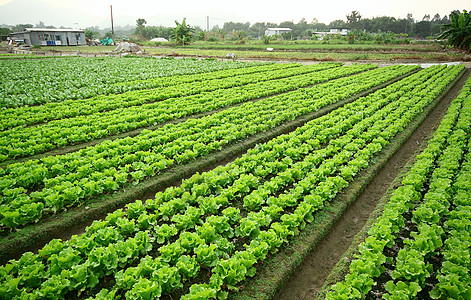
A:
(76, 131)
(420, 246)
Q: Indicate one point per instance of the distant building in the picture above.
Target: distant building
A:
(50, 37)
(276, 31)
(343, 31)
(332, 31)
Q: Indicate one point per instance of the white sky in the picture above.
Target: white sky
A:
(85, 13)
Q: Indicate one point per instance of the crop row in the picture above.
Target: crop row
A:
(31, 56)
(152, 83)
(54, 182)
(454, 280)
(218, 225)
(33, 82)
(21, 141)
(81, 107)
(420, 246)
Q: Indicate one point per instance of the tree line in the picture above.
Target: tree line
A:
(426, 27)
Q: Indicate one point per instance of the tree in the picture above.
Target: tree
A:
(90, 34)
(409, 24)
(257, 30)
(183, 33)
(140, 27)
(293, 32)
(287, 24)
(237, 26)
(266, 39)
(4, 31)
(351, 37)
(436, 18)
(239, 35)
(422, 29)
(337, 24)
(385, 24)
(107, 34)
(21, 27)
(402, 26)
(458, 32)
(42, 25)
(353, 19)
(141, 22)
(151, 32)
(302, 29)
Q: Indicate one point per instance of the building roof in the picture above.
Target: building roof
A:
(50, 30)
(284, 29)
(54, 29)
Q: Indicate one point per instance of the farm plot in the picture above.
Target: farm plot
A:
(52, 183)
(31, 115)
(33, 82)
(148, 107)
(204, 237)
(420, 245)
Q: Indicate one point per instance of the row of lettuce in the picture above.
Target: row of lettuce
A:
(32, 56)
(200, 240)
(144, 108)
(420, 247)
(174, 86)
(34, 82)
(32, 188)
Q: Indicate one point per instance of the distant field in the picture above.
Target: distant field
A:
(303, 55)
(315, 46)
(296, 50)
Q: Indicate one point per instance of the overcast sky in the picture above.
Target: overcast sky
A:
(86, 13)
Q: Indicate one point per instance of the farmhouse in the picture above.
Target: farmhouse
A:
(51, 37)
(276, 31)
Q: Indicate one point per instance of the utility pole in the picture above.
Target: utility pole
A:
(207, 23)
(112, 27)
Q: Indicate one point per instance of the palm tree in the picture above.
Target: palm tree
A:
(458, 31)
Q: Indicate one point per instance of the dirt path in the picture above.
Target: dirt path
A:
(309, 277)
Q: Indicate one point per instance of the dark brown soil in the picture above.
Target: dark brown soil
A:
(309, 277)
